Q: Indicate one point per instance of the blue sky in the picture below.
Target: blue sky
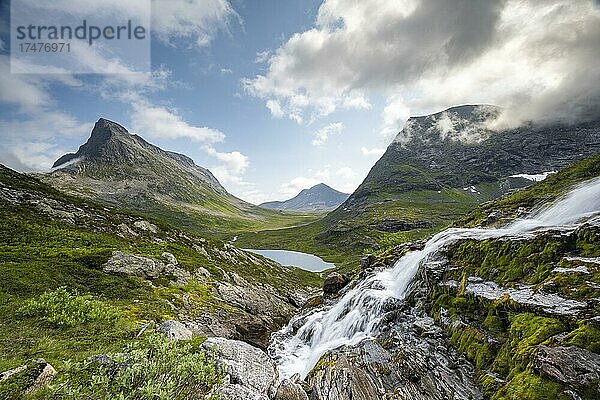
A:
(275, 96)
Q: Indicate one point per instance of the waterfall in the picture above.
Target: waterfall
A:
(358, 313)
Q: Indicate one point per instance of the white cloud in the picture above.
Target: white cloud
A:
(394, 115)
(346, 173)
(160, 122)
(323, 134)
(275, 108)
(226, 71)
(195, 20)
(30, 144)
(374, 152)
(234, 165)
(525, 55)
(262, 56)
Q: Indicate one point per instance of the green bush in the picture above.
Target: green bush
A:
(61, 308)
(152, 368)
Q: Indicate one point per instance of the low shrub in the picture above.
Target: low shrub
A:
(62, 309)
(151, 368)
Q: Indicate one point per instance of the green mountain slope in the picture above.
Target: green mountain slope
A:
(122, 169)
(438, 168)
(521, 350)
(136, 270)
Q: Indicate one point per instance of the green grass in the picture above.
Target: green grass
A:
(40, 254)
(502, 336)
(151, 367)
(61, 308)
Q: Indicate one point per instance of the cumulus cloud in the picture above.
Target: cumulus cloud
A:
(233, 165)
(346, 173)
(29, 144)
(28, 139)
(323, 134)
(196, 20)
(534, 58)
(275, 108)
(161, 122)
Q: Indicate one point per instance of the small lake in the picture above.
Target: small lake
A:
(308, 262)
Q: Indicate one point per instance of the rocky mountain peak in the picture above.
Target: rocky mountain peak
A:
(467, 124)
(320, 197)
(104, 131)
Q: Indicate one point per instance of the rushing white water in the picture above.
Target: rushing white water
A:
(357, 314)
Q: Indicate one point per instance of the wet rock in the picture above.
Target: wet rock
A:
(401, 363)
(522, 294)
(338, 378)
(569, 365)
(175, 330)
(367, 261)
(250, 371)
(334, 282)
(290, 390)
(494, 216)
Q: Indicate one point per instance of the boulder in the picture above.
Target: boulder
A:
(367, 261)
(30, 377)
(290, 390)
(251, 373)
(569, 365)
(145, 226)
(130, 264)
(147, 268)
(334, 282)
(175, 330)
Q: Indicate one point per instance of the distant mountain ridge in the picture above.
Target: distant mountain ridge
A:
(451, 159)
(125, 170)
(320, 197)
(438, 168)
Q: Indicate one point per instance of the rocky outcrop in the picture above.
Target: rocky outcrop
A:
(334, 282)
(570, 365)
(147, 268)
(290, 390)
(175, 330)
(251, 374)
(523, 295)
(396, 225)
(409, 360)
(29, 377)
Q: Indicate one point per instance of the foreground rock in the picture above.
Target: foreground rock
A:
(29, 377)
(570, 365)
(290, 390)
(251, 374)
(334, 283)
(147, 268)
(408, 361)
(175, 330)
